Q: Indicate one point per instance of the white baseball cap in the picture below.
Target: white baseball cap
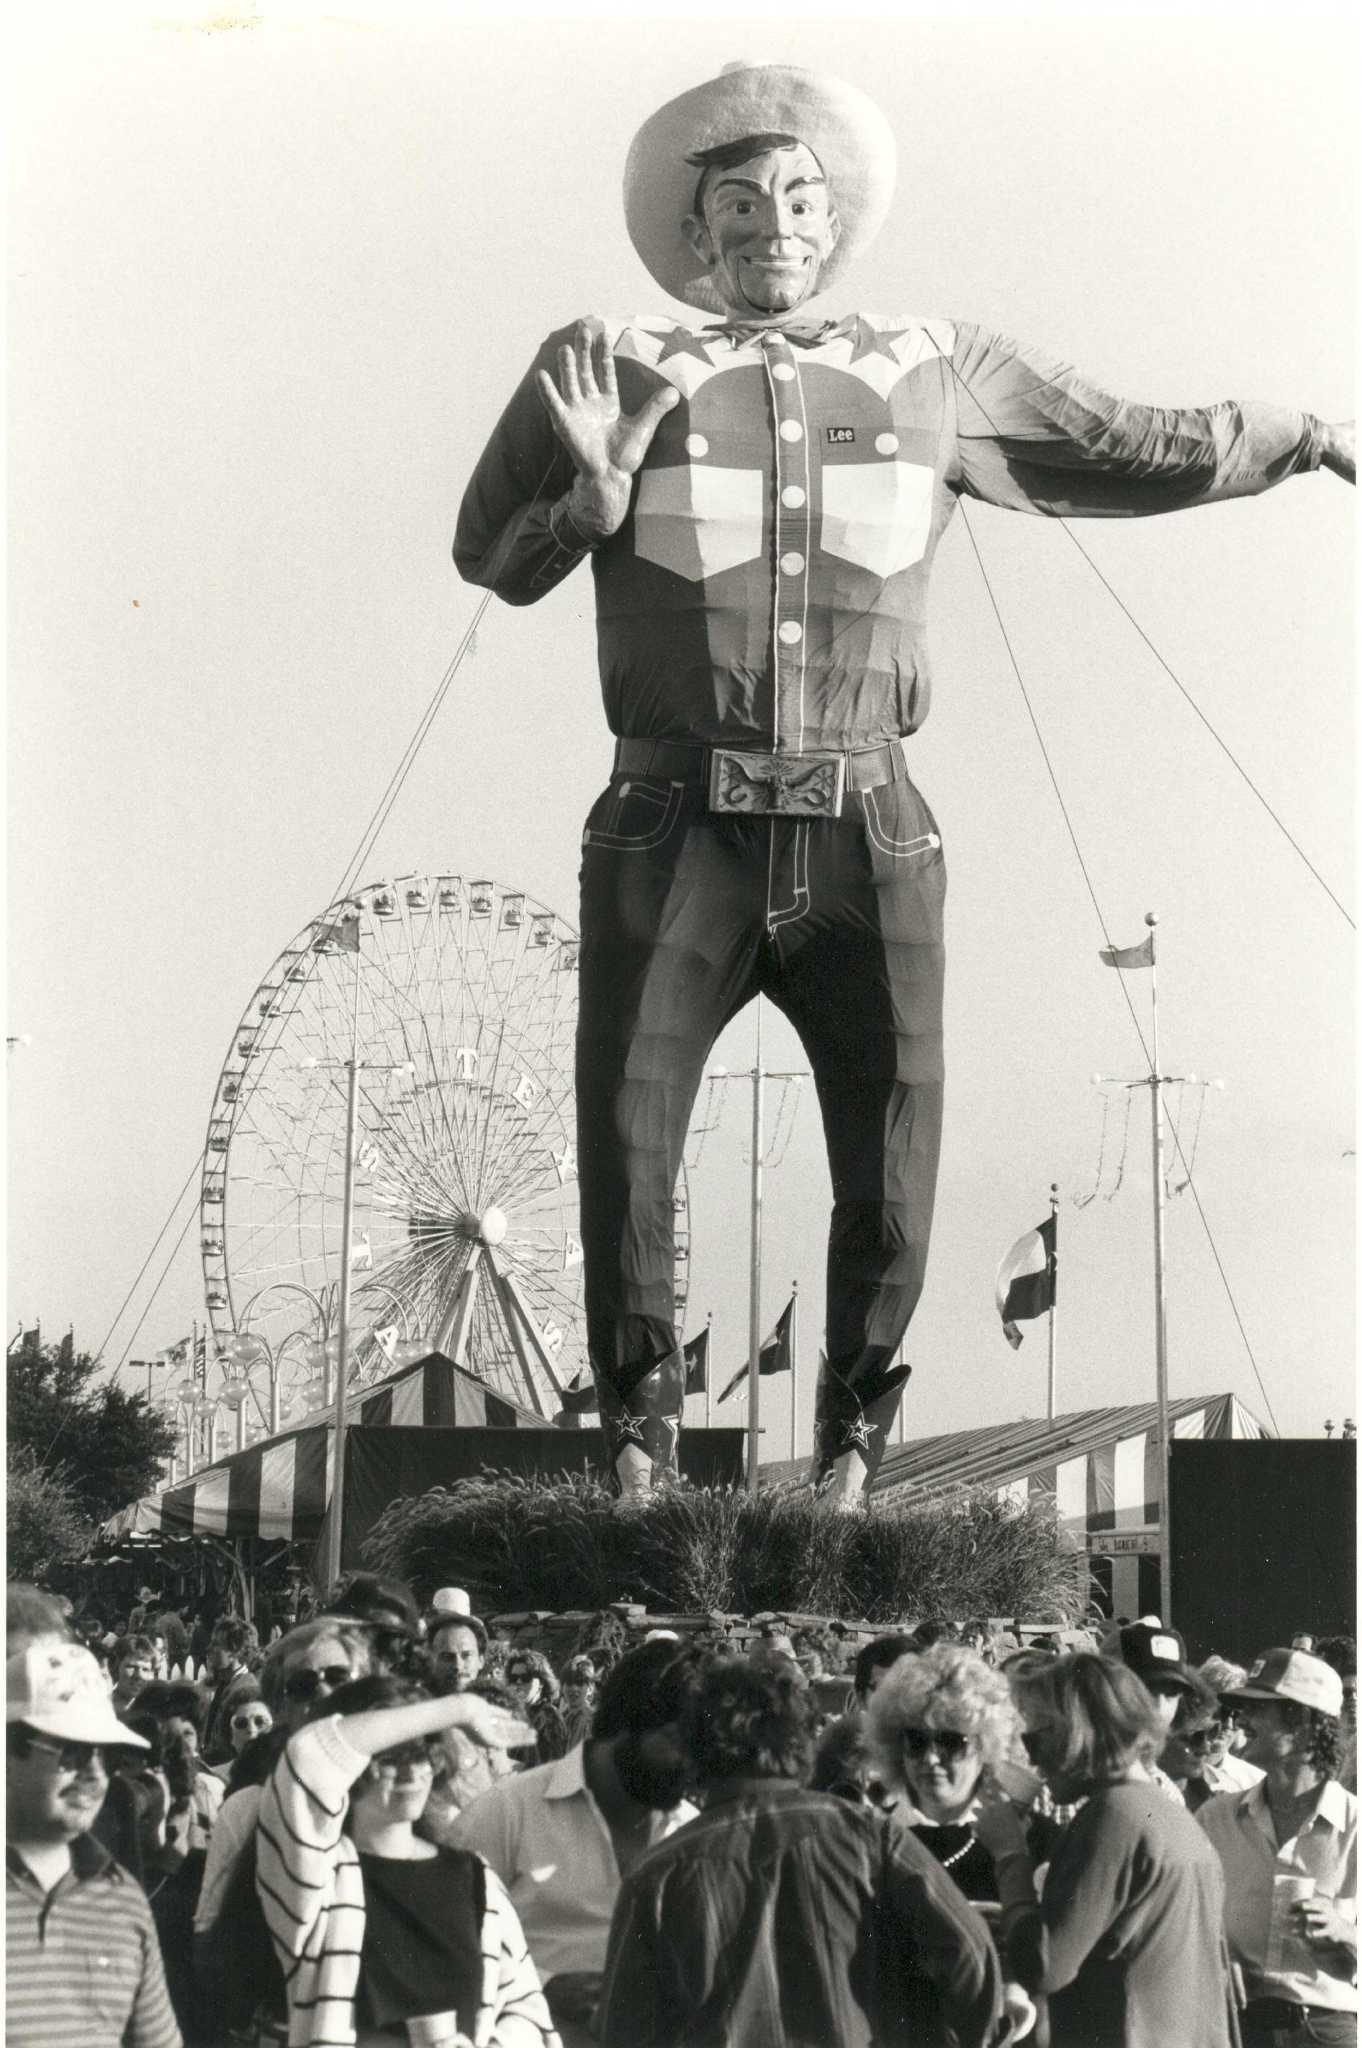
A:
(1292, 1675)
(58, 1689)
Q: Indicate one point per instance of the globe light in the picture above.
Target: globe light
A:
(248, 1350)
(234, 1396)
(186, 1389)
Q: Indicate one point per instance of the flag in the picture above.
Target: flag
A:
(340, 937)
(776, 1354)
(1025, 1285)
(696, 1355)
(1128, 956)
(580, 1398)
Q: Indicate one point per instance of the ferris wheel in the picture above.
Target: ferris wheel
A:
(457, 1001)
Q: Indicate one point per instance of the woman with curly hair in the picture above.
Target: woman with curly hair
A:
(379, 1931)
(533, 1686)
(1131, 1948)
(943, 1737)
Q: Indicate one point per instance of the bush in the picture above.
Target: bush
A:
(569, 1543)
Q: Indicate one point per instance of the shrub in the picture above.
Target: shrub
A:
(569, 1543)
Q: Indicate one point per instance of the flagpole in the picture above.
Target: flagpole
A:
(709, 1369)
(754, 1296)
(1054, 1302)
(1160, 1317)
(343, 1360)
(794, 1363)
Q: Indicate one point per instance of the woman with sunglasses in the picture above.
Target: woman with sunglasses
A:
(941, 1731)
(533, 1687)
(1131, 1945)
(382, 1935)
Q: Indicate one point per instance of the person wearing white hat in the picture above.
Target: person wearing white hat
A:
(761, 491)
(1289, 1850)
(82, 1960)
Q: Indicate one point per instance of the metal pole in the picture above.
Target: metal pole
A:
(709, 1370)
(274, 1392)
(1054, 1299)
(754, 1297)
(343, 1360)
(1160, 1326)
(794, 1363)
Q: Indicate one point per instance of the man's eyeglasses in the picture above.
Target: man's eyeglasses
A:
(949, 1744)
(76, 1757)
(1202, 1738)
(406, 1755)
(305, 1685)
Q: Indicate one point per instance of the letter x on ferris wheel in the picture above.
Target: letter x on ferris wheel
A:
(461, 997)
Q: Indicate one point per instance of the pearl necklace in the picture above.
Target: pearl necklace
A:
(948, 1862)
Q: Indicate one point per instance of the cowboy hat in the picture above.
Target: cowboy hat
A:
(846, 132)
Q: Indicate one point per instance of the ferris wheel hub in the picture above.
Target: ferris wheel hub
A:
(489, 1228)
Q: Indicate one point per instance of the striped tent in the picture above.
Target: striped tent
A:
(279, 1488)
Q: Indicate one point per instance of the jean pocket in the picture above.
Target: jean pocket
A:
(634, 815)
(898, 823)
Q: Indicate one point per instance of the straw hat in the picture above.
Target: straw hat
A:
(845, 130)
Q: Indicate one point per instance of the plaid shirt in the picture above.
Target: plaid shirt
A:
(769, 585)
(783, 1918)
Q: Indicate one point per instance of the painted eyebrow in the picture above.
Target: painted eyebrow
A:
(755, 185)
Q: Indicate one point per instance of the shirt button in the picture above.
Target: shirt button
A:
(785, 371)
(790, 430)
(793, 565)
(791, 633)
(696, 444)
(792, 496)
(886, 444)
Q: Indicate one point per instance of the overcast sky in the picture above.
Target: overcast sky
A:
(271, 284)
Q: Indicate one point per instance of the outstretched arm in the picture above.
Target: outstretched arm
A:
(606, 444)
(1339, 450)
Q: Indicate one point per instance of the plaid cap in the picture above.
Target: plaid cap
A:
(1156, 1654)
(1293, 1675)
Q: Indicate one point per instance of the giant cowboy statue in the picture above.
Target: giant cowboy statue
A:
(761, 492)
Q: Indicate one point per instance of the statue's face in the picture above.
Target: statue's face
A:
(767, 228)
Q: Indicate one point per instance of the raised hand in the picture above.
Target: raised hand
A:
(490, 1726)
(606, 444)
(1340, 450)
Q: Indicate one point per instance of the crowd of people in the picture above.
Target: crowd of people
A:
(386, 1825)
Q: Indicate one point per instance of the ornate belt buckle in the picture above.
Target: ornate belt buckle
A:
(781, 785)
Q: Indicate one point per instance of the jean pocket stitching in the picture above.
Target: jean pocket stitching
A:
(897, 849)
(625, 842)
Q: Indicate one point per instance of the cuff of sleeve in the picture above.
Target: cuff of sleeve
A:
(567, 532)
(330, 1744)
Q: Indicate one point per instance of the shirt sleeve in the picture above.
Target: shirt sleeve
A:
(515, 2013)
(514, 534)
(300, 1832)
(151, 2023)
(636, 2011)
(488, 1828)
(951, 1944)
(1035, 436)
(1086, 1887)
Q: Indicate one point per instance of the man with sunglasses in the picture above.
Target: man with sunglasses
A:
(82, 1961)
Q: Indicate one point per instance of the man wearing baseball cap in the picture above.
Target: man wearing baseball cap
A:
(82, 1960)
(1289, 1850)
(761, 490)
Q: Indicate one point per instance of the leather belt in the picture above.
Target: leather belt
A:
(749, 779)
(1282, 2015)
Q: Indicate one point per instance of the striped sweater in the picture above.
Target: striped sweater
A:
(311, 1891)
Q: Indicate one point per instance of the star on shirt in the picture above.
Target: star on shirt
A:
(680, 342)
(872, 341)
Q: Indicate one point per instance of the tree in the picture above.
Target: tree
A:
(106, 1444)
(43, 1522)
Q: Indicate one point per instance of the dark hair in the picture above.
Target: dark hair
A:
(878, 1656)
(493, 1690)
(647, 1688)
(1197, 1708)
(165, 1700)
(133, 1646)
(747, 1720)
(724, 155)
(928, 1634)
(1341, 1652)
(254, 1763)
(1325, 1751)
(840, 1763)
(230, 1632)
(387, 1609)
(1104, 1717)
